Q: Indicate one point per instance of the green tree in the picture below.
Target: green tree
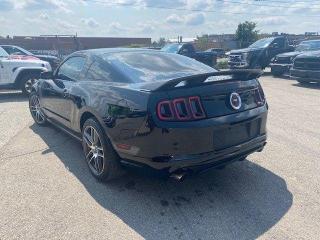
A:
(160, 43)
(203, 42)
(246, 33)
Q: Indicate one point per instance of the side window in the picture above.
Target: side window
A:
(99, 71)
(280, 42)
(71, 69)
(8, 50)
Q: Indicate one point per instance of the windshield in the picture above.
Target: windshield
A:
(262, 43)
(153, 66)
(171, 48)
(13, 50)
(3, 53)
(308, 46)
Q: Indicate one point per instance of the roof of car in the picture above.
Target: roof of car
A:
(145, 65)
(102, 51)
(314, 40)
(7, 45)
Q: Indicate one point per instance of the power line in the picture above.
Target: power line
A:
(288, 2)
(194, 10)
(264, 5)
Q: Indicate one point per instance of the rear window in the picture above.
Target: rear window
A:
(154, 66)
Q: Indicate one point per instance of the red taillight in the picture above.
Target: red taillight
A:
(164, 111)
(181, 109)
(196, 107)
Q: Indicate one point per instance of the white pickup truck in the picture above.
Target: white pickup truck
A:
(20, 72)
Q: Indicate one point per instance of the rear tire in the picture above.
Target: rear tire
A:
(27, 81)
(102, 160)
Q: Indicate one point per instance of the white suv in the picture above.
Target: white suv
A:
(20, 72)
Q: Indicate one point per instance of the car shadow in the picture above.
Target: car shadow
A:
(307, 85)
(282, 77)
(12, 96)
(243, 201)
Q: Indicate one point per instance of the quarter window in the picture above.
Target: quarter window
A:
(99, 71)
(71, 69)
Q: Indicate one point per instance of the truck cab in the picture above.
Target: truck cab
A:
(260, 53)
(188, 50)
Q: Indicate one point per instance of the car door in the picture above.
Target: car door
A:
(56, 97)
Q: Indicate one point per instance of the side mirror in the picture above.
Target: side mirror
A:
(46, 75)
(274, 45)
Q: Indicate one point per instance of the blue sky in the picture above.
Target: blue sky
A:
(148, 18)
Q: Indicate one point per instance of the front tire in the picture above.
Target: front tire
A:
(36, 110)
(27, 81)
(101, 158)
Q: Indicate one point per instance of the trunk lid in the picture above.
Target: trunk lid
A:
(218, 92)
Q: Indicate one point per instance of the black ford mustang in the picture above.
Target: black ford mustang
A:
(147, 108)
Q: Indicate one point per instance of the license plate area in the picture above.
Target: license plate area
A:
(233, 135)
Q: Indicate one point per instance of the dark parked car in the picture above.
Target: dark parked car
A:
(260, 53)
(218, 51)
(188, 50)
(15, 50)
(306, 67)
(147, 108)
(282, 63)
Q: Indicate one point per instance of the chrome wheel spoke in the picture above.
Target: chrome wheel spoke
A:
(93, 150)
(41, 114)
(100, 155)
(100, 152)
(91, 158)
(36, 110)
(37, 116)
(89, 153)
(87, 138)
(98, 164)
(95, 136)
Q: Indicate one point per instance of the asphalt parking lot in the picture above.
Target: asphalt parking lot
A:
(47, 192)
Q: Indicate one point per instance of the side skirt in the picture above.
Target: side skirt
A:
(73, 134)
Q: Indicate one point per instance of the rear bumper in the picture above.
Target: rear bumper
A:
(280, 67)
(217, 142)
(202, 161)
(305, 74)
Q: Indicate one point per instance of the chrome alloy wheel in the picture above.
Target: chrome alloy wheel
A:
(28, 85)
(93, 150)
(36, 109)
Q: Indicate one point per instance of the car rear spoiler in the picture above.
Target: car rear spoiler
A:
(209, 78)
